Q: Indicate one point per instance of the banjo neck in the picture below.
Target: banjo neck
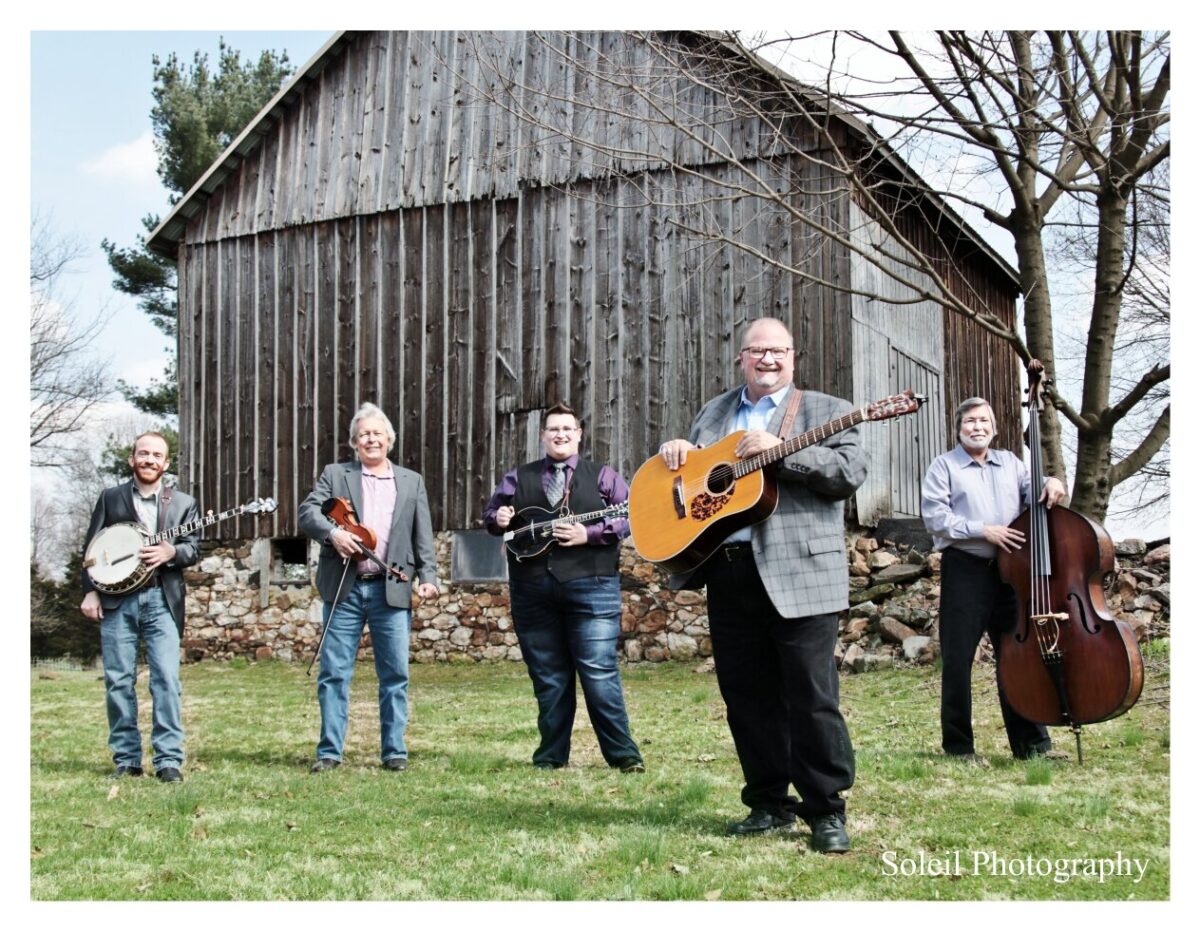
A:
(199, 523)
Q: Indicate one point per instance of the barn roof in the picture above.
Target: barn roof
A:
(167, 236)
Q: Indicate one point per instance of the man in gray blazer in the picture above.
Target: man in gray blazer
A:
(773, 593)
(152, 613)
(390, 501)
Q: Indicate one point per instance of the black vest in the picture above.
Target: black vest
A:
(563, 562)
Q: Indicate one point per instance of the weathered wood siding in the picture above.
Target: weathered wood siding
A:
(407, 234)
(897, 345)
(463, 321)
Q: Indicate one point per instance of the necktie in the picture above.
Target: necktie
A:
(558, 481)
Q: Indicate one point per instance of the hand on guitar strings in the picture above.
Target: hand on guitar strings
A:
(570, 534)
(154, 556)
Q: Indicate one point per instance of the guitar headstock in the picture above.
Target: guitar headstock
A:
(906, 402)
(260, 506)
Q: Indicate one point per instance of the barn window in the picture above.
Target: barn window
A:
(289, 559)
(477, 556)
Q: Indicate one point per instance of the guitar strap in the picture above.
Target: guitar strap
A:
(789, 415)
(163, 503)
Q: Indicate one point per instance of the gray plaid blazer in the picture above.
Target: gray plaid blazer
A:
(800, 550)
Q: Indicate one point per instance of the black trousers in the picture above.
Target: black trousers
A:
(779, 681)
(974, 599)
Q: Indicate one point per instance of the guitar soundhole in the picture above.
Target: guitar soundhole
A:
(720, 480)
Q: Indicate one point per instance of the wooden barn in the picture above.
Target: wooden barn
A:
(467, 227)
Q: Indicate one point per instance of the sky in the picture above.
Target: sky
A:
(92, 171)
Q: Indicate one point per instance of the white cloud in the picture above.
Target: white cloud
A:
(134, 162)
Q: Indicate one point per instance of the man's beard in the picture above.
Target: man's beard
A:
(157, 469)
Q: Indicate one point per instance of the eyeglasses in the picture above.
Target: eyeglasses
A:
(757, 352)
(553, 430)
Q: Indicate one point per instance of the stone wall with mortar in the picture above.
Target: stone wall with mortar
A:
(243, 601)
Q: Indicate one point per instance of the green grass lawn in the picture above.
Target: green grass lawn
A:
(471, 819)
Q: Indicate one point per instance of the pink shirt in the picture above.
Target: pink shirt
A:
(379, 501)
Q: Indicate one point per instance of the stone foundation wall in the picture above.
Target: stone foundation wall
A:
(894, 590)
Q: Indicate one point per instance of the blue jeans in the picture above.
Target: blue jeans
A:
(143, 615)
(364, 604)
(566, 628)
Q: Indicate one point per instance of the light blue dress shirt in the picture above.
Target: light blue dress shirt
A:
(755, 417)
(960, 496)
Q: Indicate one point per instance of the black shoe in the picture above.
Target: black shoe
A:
(972, 758)
(396, 764)
(829, 833)
(169, 774)
(761, 821)
(125, 771)
(325, 763)
(544, 764)
(632, 765)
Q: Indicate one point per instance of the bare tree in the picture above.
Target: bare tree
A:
(1071, 125)
(65, 380)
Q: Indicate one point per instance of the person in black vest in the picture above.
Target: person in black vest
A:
(566, 602)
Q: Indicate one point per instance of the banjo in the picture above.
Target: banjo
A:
(112, 560)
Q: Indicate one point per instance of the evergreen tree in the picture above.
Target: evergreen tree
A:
(197, 112)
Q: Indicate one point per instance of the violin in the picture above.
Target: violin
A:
(1067, 661)
(341, 512)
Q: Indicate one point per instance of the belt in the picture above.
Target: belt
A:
(957, 552)
(369, 577)
(736, 551)
(155, 582)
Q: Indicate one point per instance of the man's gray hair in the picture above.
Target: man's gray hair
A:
(969, 405)
(365, 410)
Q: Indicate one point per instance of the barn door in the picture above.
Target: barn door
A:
(917, 438)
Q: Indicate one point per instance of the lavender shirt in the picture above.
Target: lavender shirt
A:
(379, 501)
(959, 496)
(611, 486)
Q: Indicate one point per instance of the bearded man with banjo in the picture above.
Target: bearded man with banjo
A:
(152, 610)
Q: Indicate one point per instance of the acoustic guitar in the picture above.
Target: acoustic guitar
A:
(534, 538)
(112, 560)
(679, 518)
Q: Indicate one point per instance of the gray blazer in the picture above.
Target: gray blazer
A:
(115, 506)
(800, 550)
(410, 541)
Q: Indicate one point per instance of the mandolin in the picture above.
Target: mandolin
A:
(679, 518)
(112, 560)
(534, 538)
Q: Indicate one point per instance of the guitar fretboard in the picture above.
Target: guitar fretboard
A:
(797, 443)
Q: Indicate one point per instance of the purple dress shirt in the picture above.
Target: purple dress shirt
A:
(612, 489)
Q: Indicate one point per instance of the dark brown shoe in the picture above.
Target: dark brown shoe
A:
(324, 764)
(396, 764)
(125, 771)
(169, 774)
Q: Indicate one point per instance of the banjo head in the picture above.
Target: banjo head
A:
(113, 556)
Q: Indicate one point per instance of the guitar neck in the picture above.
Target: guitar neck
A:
(198, 524)
(615, 510)
(797, 443)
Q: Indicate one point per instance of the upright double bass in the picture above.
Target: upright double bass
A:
(1067, 661)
